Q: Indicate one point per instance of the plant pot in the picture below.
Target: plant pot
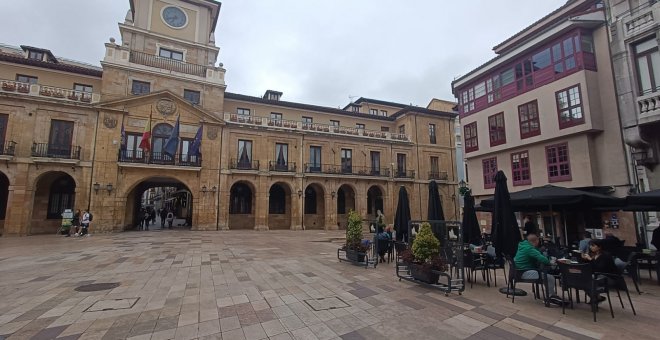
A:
(8, 87)
(354, 256)
(418, 273)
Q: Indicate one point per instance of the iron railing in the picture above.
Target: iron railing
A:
(160, 158)
(288, 167)
(402, 173)
(55, 151)
(346, 170)
(8, 148)
(244, 165)
(439, 175)
(166, 63)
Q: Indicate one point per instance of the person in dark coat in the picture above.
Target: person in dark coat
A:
(602, 261)
(529, 226)
(163, 216)
(655, 240)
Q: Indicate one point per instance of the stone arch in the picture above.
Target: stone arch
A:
(314, 206)
(54, 191)
(375, 201)
(4, 199)
(279, 206)
(242, 205)
(346, 194)
(158, 192)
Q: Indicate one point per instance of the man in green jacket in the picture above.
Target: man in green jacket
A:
(528, 260)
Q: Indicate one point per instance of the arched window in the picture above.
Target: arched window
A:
(240, 201)
(310, 200)
(341, 201)
(62, 196)
(276, 200)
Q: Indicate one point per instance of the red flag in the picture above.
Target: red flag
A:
(145, 144)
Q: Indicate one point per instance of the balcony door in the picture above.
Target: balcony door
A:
(161, 133)
(346, 161)
(61, 136)
(314, 159)
(3, 131)
(375, 163)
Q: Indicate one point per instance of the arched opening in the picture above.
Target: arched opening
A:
(314, 207)
(54, 192)
(4, 196)
(149, 204)
(345, 203)
(241, 206)
(279, 206)
(159, 135)
(374, 201)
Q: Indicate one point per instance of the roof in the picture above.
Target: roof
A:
(48, 53)
(15, 55)
(404, 108)
(375, 101)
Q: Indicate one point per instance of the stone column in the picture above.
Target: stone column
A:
(330, 212)
(19, 211)
(296, 209)
(223, 208)
(261, 210)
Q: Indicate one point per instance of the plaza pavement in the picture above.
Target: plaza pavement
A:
(257, 285)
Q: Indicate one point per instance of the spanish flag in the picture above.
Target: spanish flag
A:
(145, 144)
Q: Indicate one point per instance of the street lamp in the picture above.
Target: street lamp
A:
(463, 188)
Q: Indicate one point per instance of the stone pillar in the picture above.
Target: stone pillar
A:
(261, 210)
(19, 211)
(223, 208)
(330, 212)
(296, 209)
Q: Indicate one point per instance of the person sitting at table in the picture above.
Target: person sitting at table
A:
(383, 238)
(655, 239)
(601, 261)
(584, 243)
(529, 226)
(383, 235)
(528, 259)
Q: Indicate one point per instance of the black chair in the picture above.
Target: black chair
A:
(632, 269)
(515, 277)
(582, 277)
(618, 282)
(494, 262)
(384, 247)
(474, 264)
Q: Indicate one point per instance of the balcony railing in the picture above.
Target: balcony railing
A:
(312, 127)
(159, 158)
(47, 91)
(288, 167)
(55, 151)
(400, 173)
(439, 175)
(649, 103)
(167, 63)
(243, 165)
(346, 170)
(8, 148)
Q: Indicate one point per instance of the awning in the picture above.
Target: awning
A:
(559, 198)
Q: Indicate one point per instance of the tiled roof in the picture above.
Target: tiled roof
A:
(375, 101)
(15, 55)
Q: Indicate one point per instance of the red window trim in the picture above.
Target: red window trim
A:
(572, 122)
(528, 121)
(472, 126)
(497, 129)
(558, 178)
(527, 181)
(487, 161)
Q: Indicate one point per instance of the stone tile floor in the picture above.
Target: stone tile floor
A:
(259, 285)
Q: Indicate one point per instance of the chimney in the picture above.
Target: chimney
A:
(272, 95)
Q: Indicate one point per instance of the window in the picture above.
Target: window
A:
(334, 123)
(307, 122)
(281, 156)
(496, 129)
(61, 196)
(384, 129)
(559, 166)
(383, 113)
(26, 79)
(402, 129)
(569, 107)
(359, 126)
(35, 55)
(355, 108)
(243, 112)
(159, 136)
(542, 59)
(314, 159)
(480, 90)
(524, 76)
(276, 200)
(60, 138)
(490, 170)
(435, 168)
(493, 86)
(4, 118)
(401, 164)
(470, 137)
(520, 168)
(310, 200)
(191, 96)
(170, 54)
(133, 150)
(528, 116)
(140, 87)
(373, 112)
(240, 199)
(184, 152)
(375, 162)
(346, 161)
(507, 77)
(563, 54)
(432, 139)
(275, 116)
(244, 154)
(82, 88)
(647, 59)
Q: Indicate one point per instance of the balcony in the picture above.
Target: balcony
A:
(242, 165)
(438, 175)
(290, 125)
(402, 173)
(152, 60)
(288, 167)
(348, 170)
(51, 92)
(158, 158)
(8, 148)
(46, 150)
(649, 107)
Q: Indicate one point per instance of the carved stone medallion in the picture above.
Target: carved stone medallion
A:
(109, 121)
(212, 133)
(166, 107)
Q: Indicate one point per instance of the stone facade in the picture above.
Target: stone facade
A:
(265, 163)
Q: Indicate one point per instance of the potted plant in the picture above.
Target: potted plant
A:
(7, 86)
(58, 94)
(45, 92)
(72, 96)
(424, 257)
(24, 88)
(355, 250)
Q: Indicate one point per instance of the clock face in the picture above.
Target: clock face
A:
(174, 17)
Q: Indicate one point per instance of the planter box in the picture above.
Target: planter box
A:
(421, 275)
(355, 256)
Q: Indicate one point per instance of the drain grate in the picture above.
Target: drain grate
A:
(96, 287)
(326, 303)
(113, 304)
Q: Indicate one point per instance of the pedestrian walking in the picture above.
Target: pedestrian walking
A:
(85, 222)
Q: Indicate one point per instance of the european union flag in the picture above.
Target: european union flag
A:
(196, 146)
(172, 143)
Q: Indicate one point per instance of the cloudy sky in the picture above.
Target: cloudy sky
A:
(317, 52)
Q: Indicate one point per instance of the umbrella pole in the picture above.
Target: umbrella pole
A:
(563, 215)
(552, 223)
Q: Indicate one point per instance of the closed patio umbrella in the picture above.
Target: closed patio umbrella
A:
(435, 212)
(402, 216)
(650, 198)
(471, 232)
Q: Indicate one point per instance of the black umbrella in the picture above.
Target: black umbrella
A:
(402, 216)
(650, 198)
(558, 197)
(471, 232)
(504, 228)
(435, 212)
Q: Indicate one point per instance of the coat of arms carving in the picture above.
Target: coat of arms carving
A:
(109, 121)
(212, 133)
(166, 107)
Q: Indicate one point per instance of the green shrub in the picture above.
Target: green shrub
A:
(426, 244)
(354, 231)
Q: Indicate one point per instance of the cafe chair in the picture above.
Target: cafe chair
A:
(618, 282)
(582, 277)
(516, 277)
